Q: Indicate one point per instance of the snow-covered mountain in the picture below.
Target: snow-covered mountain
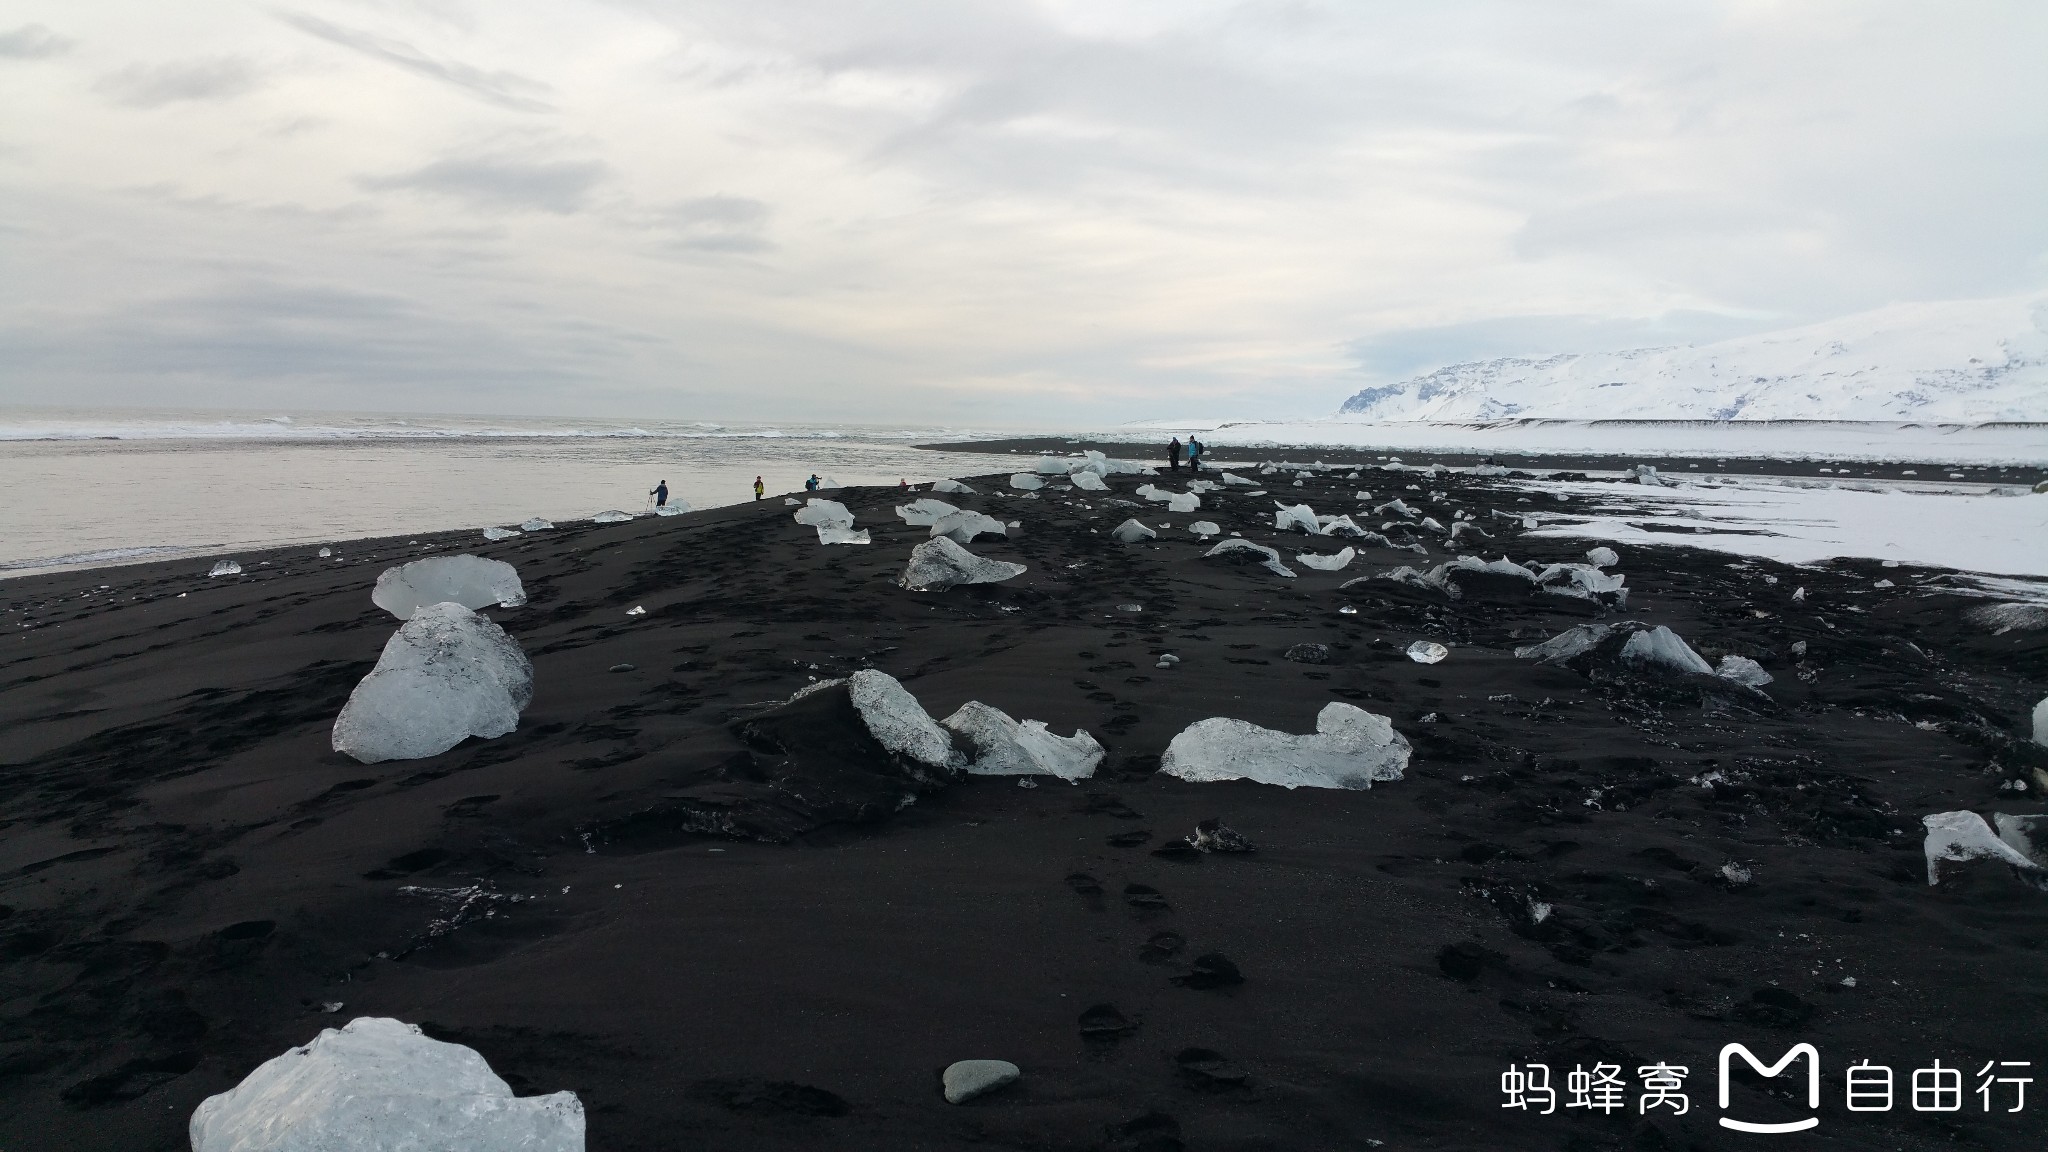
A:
(1952, 361)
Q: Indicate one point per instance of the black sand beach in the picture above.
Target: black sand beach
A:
(190, 876)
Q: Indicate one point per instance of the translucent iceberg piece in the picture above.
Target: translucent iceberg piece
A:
(1567, 644)
(1051, 466)
(380, 1084)
(1645, 474)
(2027, 834)
(1025, 481)
(445, 675)
(1234, 547)
(1339, 526)
(1131, 532)
(1331, 563)
(1205, 528)
(1660, 647)
(1602, 557)
(1203, 486)
(1468, 528)
(1743, 670)
(963, 526)
(1398, 508)
(820, 512)
(673, 508)
(1351, 748)
(898, 722)
(471, 581)
(2041, 722)
(611, 516)
(1294, 516)
(825, 482)
(501, 533)
(226, 568)
(1237, 481)
(1088, 481)
(1427, 652)
(951, 486)
(1959, 836)
(922, 513)
(1182, 502)
(940, 563)
(535, 524)
(841, 534)
(1004, 747)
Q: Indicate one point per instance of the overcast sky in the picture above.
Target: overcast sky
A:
(1064, 211)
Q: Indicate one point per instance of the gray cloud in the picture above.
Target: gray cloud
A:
(32, 42)
(154, 85)
(718, 224)
(559, 186)
(504, 89)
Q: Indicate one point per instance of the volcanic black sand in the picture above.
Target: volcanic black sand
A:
(191, 875)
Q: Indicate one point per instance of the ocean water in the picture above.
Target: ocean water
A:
(96, 487)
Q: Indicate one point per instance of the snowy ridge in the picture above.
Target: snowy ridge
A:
(1955, 361)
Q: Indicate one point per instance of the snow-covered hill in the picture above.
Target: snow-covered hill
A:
(1952, 361)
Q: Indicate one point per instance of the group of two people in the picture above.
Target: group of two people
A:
(1194, 454)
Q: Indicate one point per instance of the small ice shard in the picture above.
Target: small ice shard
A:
(1297, 483)
(447, 674)
(376, 1083)
(1133, 608)
(535, 524)
(1293, 516)
(1959, 836)
(940, 563)
(471, 581)
(1743, 670)
(898, 722)
(1884, 584)
(1798, 595)
(1130, 532)
(1212, 836)
(819, 512)
(611, 516)
(1799, 649)
(1602, 557)
(225, 568)
(1430, 523)
(963, 526)
(1088, 481)
(1660, 647)
(923, 513)
(1567, 644)
(1467, 528)
(1427, 652)
(825, 482)
(790, 501)
(636, 610)
(1585, 582)
(501, 533)
(1351, 748)
(1005, 747)
(1026, 482)
(1238, 548)
(952, 486)
(1361, 496)
(326, 552)
(966, 1080)
(1339, 526)
(673, 508)
(1237, 481)
(1331, 563)
(1397, 507)
(1205, 528)
(842, 534)
(1182, 502)
(1203, 486)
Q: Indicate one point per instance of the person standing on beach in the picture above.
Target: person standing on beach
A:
(811, 485)
(759, 489)
(660, 494)
(1194, 454)
(1173, 454)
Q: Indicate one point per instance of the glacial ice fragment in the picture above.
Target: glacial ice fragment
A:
(923, 513)
(940, 563)
(898, 722)
(1743, 670)
(1331, 563)
(377, 1084)
(1959, 836)
(535, 524)
(1206, 528)
(1088, 481)
(501, 533)
(226, 568)
(1567, 644)
(1351, 748)
(842, 534)
(673, 508)
(1005, 747)
(445, 675)
(1025, 481)
(964, 525)
(952, 486)
(819, 512)
(1427, 652)
(1051, 466)
(1130, 532)
(2041, 722)
(1237, 545)
(1602, 557)
(471, 581)
(611, 516)
(1660, 647)
(1237, 481)
(1645, 474)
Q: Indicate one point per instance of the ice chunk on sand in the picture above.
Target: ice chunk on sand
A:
(1088, 481)
(1351, 748)
(951, 486)
(1203, 486)
(379, 1084)
(1427, 652)
(535, 524)
(226, 568)
(842, 534)
(1331, 563)
(963, 526)
(1645, 474)
(1237, 481)
(1743, 670)
(1130, 532)
(501, 533)
(897, 721)
(673, 508)
(1339, 526)
(1289, 517)
(2041, 722)
(1468, 528)
(326, 552)
(1567, 644)
(445, 675)
(471, 581)
(922, 513)
(1004, 747)
(1660, 647)
(1051, 466)
(825, 482)
(1205, 528)
(1397, 507)
(1238, 548)
(1182, 502)
(819, 512)
(611, 516)
(940, 563)
(1602, 557)
(2027, 834)
(1026, 481)
(1959, 836)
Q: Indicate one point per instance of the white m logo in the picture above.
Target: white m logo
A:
(1812, 1086)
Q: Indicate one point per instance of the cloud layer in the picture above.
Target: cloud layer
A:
(1049, 212)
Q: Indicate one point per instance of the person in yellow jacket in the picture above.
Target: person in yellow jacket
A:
(758, 489)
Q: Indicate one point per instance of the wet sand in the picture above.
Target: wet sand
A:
(191, 875)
